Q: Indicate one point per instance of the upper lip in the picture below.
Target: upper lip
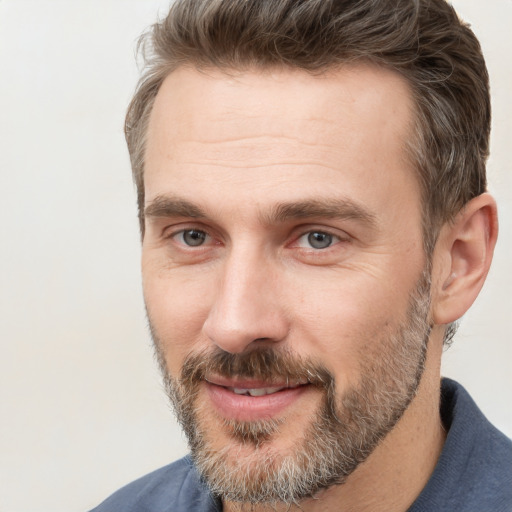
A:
(241, 383)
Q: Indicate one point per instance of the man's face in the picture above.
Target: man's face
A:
(283, 271)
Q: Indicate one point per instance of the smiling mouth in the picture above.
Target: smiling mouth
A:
(261, 391)
(253, 388)
(247, 399)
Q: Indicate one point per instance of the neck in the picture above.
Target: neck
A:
(396, 472)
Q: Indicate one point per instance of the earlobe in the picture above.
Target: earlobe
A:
(462, 258)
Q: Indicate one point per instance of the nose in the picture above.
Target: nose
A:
(246, 310)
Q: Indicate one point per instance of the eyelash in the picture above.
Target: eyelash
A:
(333, 239)
(203, 235)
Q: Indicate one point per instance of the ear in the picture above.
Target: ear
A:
(462, 258)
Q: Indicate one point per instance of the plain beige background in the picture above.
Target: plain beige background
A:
(82, 409)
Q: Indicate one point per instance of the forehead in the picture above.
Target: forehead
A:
(260, 129)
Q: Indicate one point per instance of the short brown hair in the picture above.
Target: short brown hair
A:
(422, 40)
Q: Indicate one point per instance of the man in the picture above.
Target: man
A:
(314, 217)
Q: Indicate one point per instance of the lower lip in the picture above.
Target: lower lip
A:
(252, 408)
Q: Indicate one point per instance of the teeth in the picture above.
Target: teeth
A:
(256, 391)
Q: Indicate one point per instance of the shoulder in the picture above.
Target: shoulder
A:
(175, 487)
(474, 471)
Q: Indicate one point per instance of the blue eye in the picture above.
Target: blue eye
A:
(192, 237)
(317, 240)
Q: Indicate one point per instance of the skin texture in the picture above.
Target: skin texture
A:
(250, 160)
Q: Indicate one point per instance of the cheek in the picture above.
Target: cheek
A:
(342, 320)
(177, 309)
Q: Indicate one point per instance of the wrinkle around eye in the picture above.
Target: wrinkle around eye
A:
(338, 251)
(188, 239)
(173, 251)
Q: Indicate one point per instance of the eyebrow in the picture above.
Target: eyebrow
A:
(164, 206)
(343, 209)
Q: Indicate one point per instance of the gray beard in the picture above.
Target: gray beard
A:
(343, 433)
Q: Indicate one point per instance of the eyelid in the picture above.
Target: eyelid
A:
(339, 234)
(175, 232)
(171, 230)
(333, 240)
(171, 233)
(182, 232)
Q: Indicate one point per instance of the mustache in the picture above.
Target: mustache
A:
(267, 364)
